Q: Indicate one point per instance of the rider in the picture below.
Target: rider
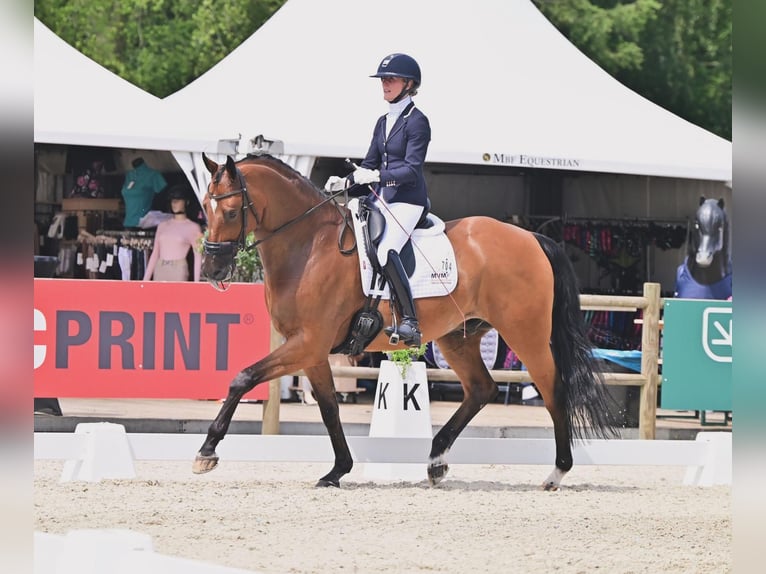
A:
(394, 163)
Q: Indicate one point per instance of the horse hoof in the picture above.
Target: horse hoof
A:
(324, 482)
(553, 481)
(203, 464)
(436, 472)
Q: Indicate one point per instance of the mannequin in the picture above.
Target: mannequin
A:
(142, 183)
(172, 242)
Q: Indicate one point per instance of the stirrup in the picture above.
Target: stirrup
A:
(395, 337)
(393, 334)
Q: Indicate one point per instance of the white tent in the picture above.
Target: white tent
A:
(79, 102)
(501, 86)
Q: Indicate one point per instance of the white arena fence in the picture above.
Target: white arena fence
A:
(97, 451)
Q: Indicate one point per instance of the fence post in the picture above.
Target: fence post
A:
(650, 350)
(270, 423)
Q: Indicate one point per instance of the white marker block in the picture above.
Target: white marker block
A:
(106, 454)
(401, 409)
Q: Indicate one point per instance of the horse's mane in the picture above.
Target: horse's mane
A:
(283, 169)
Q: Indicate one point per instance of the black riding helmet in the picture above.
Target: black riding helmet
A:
(400, 66)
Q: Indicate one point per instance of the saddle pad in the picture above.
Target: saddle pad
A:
(435, 268)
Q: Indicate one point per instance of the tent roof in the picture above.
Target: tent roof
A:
(79, 102)
(500, 86)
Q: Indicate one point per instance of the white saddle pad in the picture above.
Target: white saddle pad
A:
(435, 268)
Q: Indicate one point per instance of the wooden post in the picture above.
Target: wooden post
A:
(271, 405)
(650, 350)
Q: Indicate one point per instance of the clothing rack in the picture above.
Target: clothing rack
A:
(127, 233)
(612, 220)
(138, 239)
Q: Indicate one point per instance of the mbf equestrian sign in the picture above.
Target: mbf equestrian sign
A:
(144, 340)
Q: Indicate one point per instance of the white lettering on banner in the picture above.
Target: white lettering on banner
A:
(136, 338)
(716, 334)
(40, 350)
(530, 161)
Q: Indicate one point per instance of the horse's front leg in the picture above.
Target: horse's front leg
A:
(282, 361)
(321, 380)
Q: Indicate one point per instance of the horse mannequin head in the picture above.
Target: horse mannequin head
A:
(708, 247)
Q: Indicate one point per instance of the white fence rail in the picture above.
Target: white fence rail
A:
(103, 450)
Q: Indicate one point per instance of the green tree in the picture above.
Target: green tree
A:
(607, 31)
(159, 45)
(676, 53)
(688, 62)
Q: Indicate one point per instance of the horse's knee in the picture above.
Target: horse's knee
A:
(242, 383)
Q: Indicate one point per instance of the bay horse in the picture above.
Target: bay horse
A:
(511, 279)
(706, 270)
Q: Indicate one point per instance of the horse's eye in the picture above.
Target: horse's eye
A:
(231, 214)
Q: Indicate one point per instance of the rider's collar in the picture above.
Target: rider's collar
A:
(396, 108)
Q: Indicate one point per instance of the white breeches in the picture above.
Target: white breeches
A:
(401, 219)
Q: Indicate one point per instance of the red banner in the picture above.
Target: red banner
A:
(130, 339)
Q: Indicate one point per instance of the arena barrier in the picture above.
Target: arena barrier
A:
(118, 551)
(97, 451)
(648, 379)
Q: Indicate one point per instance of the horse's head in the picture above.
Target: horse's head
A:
(710, 229)
(226, 205)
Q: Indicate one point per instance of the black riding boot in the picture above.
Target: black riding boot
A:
(408, 330)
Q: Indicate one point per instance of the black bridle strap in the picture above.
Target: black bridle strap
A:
(225, 246)
(248, 203)
(302, 216)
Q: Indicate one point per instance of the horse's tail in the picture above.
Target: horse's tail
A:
(582, 394)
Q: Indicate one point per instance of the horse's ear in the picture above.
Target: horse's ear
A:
(702, 199)
(231, 167)
(720, 203)
(211, 166)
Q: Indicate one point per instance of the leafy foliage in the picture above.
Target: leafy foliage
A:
(249, 268)
(403, 357)
(159, 45)
(676, 53)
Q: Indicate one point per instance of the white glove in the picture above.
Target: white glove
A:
(363, 175)
(335, 183)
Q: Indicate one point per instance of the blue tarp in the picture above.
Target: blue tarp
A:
(628, 359)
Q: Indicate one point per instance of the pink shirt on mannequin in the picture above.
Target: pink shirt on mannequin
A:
(172, 242)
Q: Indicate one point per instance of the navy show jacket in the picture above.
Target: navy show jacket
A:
(400, 157)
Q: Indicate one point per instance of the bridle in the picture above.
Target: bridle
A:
(231, 248)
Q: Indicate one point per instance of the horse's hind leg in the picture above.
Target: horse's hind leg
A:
(320, 377)
(464, 357)
(542, 369)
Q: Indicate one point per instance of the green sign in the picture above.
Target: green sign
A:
(696, 355)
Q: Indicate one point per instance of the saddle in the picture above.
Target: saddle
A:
(367, 322)
(374, 224)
